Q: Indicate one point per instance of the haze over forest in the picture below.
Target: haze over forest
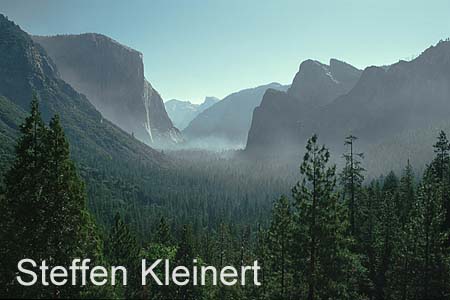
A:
(259, 132)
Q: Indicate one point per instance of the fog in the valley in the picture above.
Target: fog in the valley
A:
(396, 112)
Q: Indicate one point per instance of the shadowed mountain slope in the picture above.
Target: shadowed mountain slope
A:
(111, 75)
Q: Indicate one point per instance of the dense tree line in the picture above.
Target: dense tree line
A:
(43, 214)
(205, 191)
(384, 240)
(336, 236)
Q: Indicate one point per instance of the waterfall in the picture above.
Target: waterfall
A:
(148, 92)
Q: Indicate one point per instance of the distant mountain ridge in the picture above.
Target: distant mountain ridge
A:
(385, 105)
(26, 68)
(226, 123)
(407, 95)
(317, 84)
(183, 112)
(111, 75)
(280, 117)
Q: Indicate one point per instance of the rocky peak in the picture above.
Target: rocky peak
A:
(317, 84)
(227, 122)
(440, 53)
(25, 68)
(111, 75)
(344, 73)
(210, 101)
(183, 112)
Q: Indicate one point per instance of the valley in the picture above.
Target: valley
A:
(330, 182)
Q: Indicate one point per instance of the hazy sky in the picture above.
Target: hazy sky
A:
(194, 49)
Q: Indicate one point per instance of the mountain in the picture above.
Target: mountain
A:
(317, 84)
(227, 122)
(111, 75)
(183, 112)
(395, 110)
(279, 119)
(26, 68)
(408, 95)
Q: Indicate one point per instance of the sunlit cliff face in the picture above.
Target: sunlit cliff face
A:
(111, 75)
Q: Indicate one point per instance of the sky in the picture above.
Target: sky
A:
(194, 48)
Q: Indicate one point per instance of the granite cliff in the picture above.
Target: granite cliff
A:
(111, 75)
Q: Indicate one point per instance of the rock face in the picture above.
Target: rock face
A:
(26, 68)
(317, 84)
(227, 122)
(111, 75)
(386, 101)
(183, 112)
(279, 120)
(390, 107)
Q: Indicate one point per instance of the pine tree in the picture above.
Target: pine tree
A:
(66, 202)
(45, 205)
(407, 195)
(323, 260)
(441, 170)
(379, 238)
(24, 202)
(390, 183)
(122, 249)
(152, 252)
(279, 244)
(434, 281)
(404, 266)
(352, 178)
(386, 240)
(185, 256)
(225, 255)
(163, 236)
(440, 164)
(66, 198)
(369, 210)
(262, 256)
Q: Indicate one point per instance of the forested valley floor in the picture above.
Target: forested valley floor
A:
(317, 231)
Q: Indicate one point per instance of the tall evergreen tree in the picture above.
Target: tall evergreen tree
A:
(434, 282)
(24, 203)
(280, 244)
(386, 242)
(262, 256)
(440, 164)
(163, 236)
(185, 256)
(152, 252)
(122, 249)
(352, 178)
(368, 237)
(404, 265)
(407, 194)
(45, 207)
(379, 238)
(323, 259)
(441, 169)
